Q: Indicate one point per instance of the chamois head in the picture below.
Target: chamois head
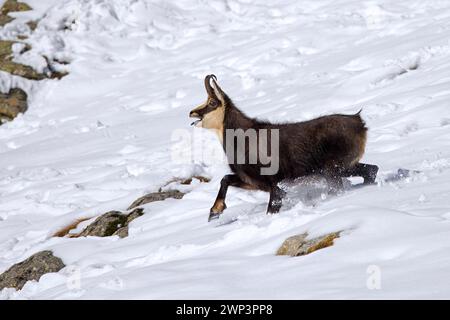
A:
(210, 114)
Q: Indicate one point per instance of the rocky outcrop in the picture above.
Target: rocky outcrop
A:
(300, 245)
(110, 224)
(12, 103)
(32, 268)
(11, 6)
(8, 65)
(116, 222)
(156, 196)
(15, 101)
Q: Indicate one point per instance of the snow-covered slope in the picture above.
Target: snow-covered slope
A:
(104, 135)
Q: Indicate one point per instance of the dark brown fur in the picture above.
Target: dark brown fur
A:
(329, 144)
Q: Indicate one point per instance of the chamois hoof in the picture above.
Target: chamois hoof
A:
(217, 209)
(372, 174)
(213, 216)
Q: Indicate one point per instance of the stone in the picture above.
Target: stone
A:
(5, 19)
(7, 65)
(156, 196)
(21, 70)
(12, 103)
(32, 24)
(300, 245)
(14, 6)
(11, 6)
(122, 232)
(111, 223)
(32, 268)
(199, 178)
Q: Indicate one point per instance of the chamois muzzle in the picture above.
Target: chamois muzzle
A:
(194, 114)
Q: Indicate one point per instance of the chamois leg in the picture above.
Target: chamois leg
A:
(367, 171)
(275, 200)
(219, 205)
(334, 182)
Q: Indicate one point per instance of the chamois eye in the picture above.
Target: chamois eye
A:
(213, 103)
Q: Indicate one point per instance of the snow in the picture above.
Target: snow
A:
(117, 127)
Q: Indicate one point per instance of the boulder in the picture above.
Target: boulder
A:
(115, 222)
(300, 245)
(8, 65)
(111, 223)
(11, 6)
(156, 196)
(12, 103)
(32, 268)
(14, 68)
(5, 19)
(14, 6)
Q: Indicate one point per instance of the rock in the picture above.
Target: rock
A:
(11, 6)
(115, 223)
(111, 223)
(21, 70)
(5, 19)
(156, 196)
(122, 232)
(199, 178)
(17, 69)
(300, 245)
(185, 181)
(14, 6)
(32, 24)
(12, 103)
(32, 268)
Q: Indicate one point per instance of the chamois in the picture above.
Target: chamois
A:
(330, 146)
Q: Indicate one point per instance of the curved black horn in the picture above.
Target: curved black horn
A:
(216, 85)
(208, 87)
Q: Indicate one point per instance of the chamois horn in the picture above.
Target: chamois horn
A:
(208, 87)
(219, 89)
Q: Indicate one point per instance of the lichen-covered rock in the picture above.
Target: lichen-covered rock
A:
(14, 6)
(17, 69)
(12, 103)
(156, 196)
(32, 268)
(111, 223)
(11, 6)
(5, 19)
(300, 245)
(8, 65)
(6, 48)
(122, 232)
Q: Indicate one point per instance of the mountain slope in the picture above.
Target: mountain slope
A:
(110, 131)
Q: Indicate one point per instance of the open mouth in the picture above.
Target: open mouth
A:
(198, 118)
